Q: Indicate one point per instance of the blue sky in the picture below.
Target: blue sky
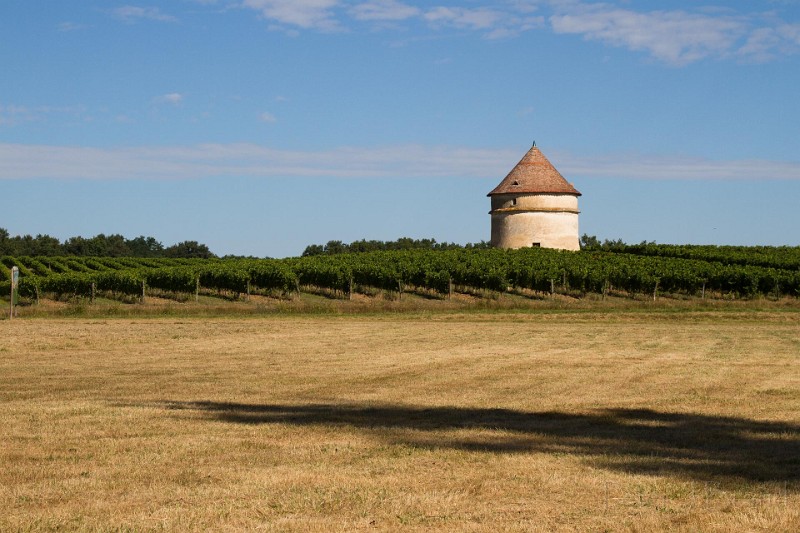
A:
(261, 126)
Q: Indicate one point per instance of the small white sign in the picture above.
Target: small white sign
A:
(14, 276)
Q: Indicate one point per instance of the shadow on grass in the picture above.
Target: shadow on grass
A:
(631, 440)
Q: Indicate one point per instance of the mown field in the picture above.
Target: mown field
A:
(645, 419)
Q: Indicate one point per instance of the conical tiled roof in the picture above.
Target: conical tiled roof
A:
(534, 174)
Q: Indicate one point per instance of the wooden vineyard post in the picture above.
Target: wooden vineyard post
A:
(248, 290)
(399, 290)
(655, 291)
(14, 283)
(144, 285)
(703, 292)
(197, 289)
(350, 289)
(450, 288)
(94, 291)
(552, 287)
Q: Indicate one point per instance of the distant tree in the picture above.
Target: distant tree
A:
(335, 247)
(366, 246)
(313, 249)
(145, 247)
(403, 243)
(614, 246)
(188, 249)
(29, 245)
(590, 242)
(4, 241)
(98, 246)
(111, 246)
(45, 245)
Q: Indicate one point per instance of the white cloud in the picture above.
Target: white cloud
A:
(495, 23)
(267, 117)
(765, 43)
(676, 168)
(169, 98)
(459, 17)
(219, 160)
(14, 114)
(71, 26)
(132, 14)
(11, 114)
(306, 14)
(20, 161)
(508, 20)
(384, 10)
(674, 37)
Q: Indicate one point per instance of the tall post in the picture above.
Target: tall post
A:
(14, 283)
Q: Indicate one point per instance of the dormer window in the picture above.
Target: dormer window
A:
(515, 184)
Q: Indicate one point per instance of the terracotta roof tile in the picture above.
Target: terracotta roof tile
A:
(534, 174)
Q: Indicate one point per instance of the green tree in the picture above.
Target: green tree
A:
(590, 242)
(188, 249)
(145, 247)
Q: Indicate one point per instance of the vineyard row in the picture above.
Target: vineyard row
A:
(439, 271)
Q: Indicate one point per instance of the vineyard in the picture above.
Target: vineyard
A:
(692, 271)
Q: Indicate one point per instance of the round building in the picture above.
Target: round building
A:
(535, 206)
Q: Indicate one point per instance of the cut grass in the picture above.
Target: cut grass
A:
(424, 421)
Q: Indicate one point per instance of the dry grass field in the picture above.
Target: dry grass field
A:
(479, 421)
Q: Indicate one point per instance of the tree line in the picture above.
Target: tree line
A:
(98, 246)
(403, 243)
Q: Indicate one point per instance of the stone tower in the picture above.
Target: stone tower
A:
(535, 206)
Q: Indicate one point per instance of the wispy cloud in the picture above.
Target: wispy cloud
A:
(332, 15)
(306, 14)
(384, 10)
(12, 114)
(676, 37)
(20, 161)
(169, 98)
(71, 26)
(460, 17)
(676, 168)
(680, 37)
(764, 44)
(267, 117)
(131, 14)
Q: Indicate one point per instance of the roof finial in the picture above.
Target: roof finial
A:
(534, 144)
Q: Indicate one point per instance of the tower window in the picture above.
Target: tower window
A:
(536, 245)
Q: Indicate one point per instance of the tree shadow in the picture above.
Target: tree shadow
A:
(695, 446)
